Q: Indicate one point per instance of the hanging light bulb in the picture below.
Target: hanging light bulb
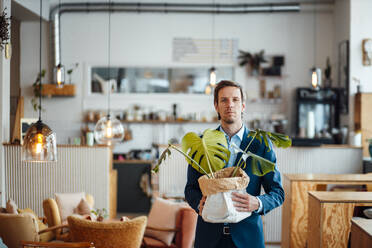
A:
(59, 75)
(108, 129)
(208, 89)
(212, 76)
(40, 142)
(316, 76)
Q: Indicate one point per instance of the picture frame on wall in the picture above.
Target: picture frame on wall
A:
(25, 124)
(343, 76)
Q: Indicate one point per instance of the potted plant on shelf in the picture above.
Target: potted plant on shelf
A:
(251, 61)
(209, 155)
(70, 71)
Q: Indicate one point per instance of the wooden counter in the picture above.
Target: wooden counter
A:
(330, 216)
(361, 232)
(295, 207)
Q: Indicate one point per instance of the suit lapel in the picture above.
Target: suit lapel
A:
(243, 145)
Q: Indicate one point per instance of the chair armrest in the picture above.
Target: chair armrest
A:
(163, 229)
(52, 228)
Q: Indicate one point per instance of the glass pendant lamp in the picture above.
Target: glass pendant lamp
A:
(40, 142)
(108, 129)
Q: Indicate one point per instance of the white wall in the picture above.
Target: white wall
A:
(146, 40)
(5, 105)
(360, 28)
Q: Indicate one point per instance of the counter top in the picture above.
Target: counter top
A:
(359, 178)
(342, 196)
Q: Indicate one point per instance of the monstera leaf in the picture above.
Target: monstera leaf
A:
(260, 165)
(209, 151)
(278, 139)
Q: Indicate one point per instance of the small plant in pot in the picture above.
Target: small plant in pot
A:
(252, 61)
(209, 155)
(100, 214)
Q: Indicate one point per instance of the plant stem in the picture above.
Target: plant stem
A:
(180, 151)
(208, 161)
(246, 149)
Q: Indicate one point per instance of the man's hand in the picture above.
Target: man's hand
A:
(244, 202)
(201, 204)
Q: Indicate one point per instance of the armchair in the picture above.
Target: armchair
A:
(108, 234)
(17, 227)
(184, 232)
(53, 216)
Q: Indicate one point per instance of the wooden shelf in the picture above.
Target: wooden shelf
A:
(51, 90)
(166, 122)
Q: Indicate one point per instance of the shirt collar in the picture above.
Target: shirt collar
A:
(239, 134)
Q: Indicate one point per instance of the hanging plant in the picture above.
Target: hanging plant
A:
(4, 29)
(36, 91)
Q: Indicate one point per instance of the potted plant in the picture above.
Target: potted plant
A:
(70, 71)
(209, 155)
(100, 214)
(370, 146)
(251, 61)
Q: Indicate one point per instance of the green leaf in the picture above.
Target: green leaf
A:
(261, 167)
(162, 157)
(210, 151)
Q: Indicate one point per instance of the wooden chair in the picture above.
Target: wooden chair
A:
(26, 244)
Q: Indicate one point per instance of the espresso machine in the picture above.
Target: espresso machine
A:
(317, 115)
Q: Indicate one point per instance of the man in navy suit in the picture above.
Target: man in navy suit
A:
(229, 104)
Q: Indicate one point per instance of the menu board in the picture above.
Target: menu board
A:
(216, 51)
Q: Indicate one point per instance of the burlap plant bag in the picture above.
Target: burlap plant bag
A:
(218, 207)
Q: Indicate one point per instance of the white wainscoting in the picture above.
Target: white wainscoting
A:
(325, 159)
(78, 169)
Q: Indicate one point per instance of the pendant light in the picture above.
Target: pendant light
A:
(316, 73)
(59, 69)
(108, 129)
(212, 70)
(40, 142)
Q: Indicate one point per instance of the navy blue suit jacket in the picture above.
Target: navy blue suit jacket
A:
(248, 232)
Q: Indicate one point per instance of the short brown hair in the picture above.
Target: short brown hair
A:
(226, 83)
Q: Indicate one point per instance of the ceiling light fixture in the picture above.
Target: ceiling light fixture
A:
(108, 129)
(40, 142)
(59, 69)
(316, 73)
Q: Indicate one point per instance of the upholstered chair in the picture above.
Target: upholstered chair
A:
(108, 234)
(17, 227)
(184, 232)
(53, 216)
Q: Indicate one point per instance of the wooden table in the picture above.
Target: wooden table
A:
(295, 207)
(330, 215)
(361, 232)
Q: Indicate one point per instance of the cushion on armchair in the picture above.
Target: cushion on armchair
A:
(163, 215)
(67, 202)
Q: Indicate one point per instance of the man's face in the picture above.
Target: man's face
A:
(230, 105)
